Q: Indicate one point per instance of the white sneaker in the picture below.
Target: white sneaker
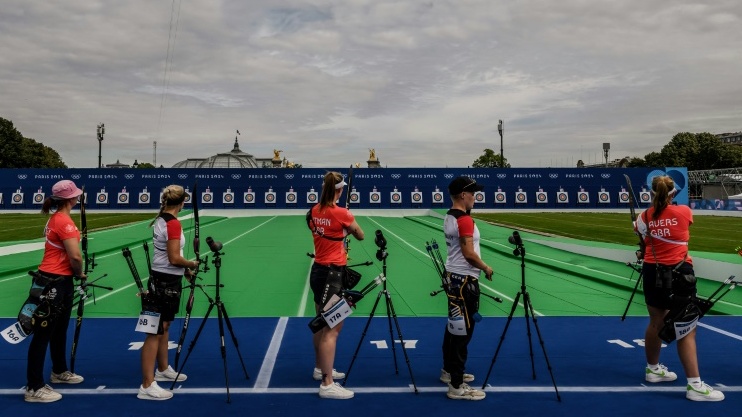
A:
(446, 377)
(66, 377)
(704, 393)
(660, 375)
(317, 375)
(154, 392)
(44, 394)
(335, 391)
(168, 375)
(465, 392)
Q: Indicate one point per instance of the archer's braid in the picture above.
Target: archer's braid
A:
(172, 195)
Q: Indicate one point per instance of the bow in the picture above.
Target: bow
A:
(82, 289)
(192, 286)
(632, 203)
(347, 206)
(642, 246)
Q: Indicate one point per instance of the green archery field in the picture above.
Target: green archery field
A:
(265, 266)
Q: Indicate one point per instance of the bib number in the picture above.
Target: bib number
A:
(148, 322)
(338, 312)
(14, 334)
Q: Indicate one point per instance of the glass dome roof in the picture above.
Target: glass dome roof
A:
(233, 159)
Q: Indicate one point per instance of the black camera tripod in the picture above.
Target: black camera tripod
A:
(221, 313)
(381, 255)
(527, 307)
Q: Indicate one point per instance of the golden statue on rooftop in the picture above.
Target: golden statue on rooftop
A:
(277, 154)
(372, 154)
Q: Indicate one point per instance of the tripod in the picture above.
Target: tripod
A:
(221, 313)
(381, 255)
(527, 307)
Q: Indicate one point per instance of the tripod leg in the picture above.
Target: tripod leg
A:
(638, 281)
(502, 339)
(234, 339)
(388, 300)
(526, 304)
(363, 336)
(193, 343)
(401, 340)
(223, 349)
(527, 301)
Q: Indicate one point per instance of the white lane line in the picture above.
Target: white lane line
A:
(269, 361)
(254, 228)
(426, 255)
(380, 390)
(720, 331)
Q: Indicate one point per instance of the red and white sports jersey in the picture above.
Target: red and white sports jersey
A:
(668, 244)
(166, 227)
(458, 224)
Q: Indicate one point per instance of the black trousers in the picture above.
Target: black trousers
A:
(53, 335)
(465, 289)
(455, 353)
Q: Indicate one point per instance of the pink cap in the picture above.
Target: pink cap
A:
(65, 190)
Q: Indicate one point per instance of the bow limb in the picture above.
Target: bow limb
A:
(347, 206)
(632, 204)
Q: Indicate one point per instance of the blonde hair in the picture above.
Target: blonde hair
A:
(663, 188)
(328, 189)
(173, 195)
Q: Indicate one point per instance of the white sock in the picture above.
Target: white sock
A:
(654, 367)
(696, 382)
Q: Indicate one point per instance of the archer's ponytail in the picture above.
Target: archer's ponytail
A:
(663, 188)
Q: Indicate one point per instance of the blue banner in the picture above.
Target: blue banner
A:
(260, 188)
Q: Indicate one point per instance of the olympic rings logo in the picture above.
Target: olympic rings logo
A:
(448, 176)
(553, 175)
(288, 176)
(182, 176)
(236, 176)
(396, 176)
(129, 176)
(605, 175)
(501, 176)
(22, 176)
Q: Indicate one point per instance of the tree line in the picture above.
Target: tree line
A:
(696, 151)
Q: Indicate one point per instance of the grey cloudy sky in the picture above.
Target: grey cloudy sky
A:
(422, 82)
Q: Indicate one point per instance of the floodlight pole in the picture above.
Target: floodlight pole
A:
(606, 149)
(502, 157)
(101, 132)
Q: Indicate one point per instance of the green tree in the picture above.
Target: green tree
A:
(145, 165)
(696, 151)
(17, 151)
(11, 144)
(489, 159)
(37, 155)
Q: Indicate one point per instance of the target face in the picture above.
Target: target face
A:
(270, 198)
(249, 198)
(417, 197)
(437, 197)
(206, 197)
(541, 197)
(354, 197)
(291, 198)
(375, 197)
(228, 198)
(144, 198)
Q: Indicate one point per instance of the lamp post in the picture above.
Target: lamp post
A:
(502, 157)
(101, 132)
